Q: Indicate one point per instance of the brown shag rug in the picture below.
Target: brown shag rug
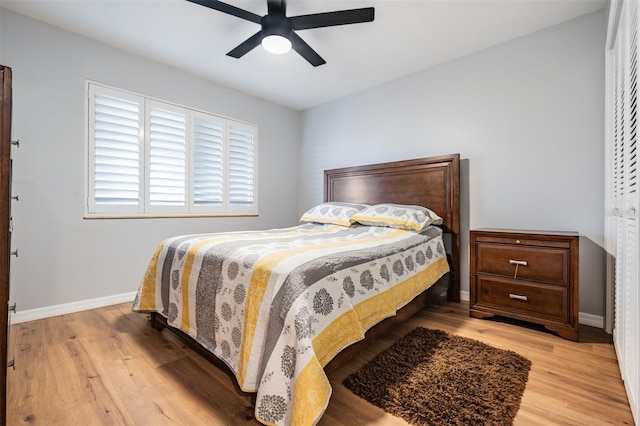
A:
(432, 378)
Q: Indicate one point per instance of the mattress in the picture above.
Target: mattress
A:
(276, 306)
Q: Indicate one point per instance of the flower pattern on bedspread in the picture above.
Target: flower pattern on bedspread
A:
(277, 306)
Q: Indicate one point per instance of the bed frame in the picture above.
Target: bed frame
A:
(432, 182)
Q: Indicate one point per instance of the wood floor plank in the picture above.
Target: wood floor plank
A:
(110, 367)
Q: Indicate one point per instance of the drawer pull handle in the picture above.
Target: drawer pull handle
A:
(518, 297)
(517, 263)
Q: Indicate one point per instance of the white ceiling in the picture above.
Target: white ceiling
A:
(406, 36)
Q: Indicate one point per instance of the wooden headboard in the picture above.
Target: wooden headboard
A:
(432, 182)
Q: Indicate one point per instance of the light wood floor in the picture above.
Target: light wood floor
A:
(109, 367)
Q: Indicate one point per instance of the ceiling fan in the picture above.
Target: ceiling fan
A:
(278, 32)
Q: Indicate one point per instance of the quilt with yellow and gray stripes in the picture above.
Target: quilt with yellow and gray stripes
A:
(278, 305)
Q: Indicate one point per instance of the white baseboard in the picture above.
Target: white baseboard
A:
(583, 318)
(84, 305)
(465, 296)
(591, 320)
(69, 308)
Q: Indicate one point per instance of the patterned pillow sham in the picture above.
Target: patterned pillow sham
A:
(332, 212)
(414, 218)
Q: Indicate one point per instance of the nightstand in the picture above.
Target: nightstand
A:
(526, 275)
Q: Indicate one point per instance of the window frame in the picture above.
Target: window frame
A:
(144, 209)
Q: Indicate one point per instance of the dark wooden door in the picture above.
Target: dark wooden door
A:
(5, 225)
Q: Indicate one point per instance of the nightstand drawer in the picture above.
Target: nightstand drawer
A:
(533, 263)
(539, 300)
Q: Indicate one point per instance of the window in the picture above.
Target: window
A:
(152, 158)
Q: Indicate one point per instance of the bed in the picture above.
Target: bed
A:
(282, 307)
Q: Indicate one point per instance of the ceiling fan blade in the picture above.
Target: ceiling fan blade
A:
(227, 8)
(246, 46)
(329, 19)
(300, 46)
(277, 7)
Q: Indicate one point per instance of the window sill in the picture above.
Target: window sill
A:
(93, 216)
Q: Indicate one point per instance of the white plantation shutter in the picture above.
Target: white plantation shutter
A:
(208, 161)
(117, 151)
(167, 155)
(241, 166)
(150, 158)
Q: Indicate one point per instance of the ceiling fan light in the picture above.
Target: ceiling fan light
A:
(276, 44)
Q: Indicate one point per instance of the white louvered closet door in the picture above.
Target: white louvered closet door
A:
(621, 225)
(631, 304)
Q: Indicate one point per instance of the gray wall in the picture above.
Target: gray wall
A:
(64, 258)
(526, 117)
